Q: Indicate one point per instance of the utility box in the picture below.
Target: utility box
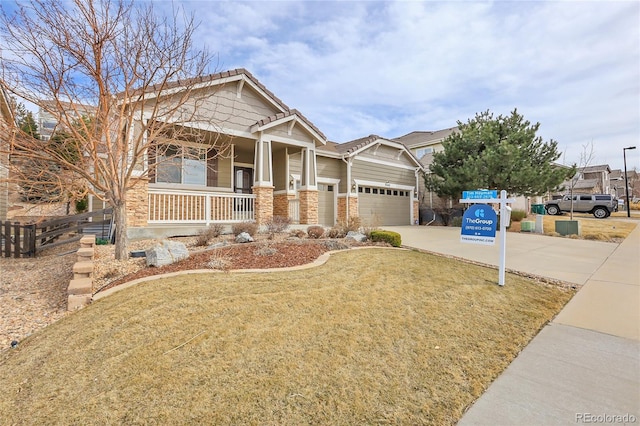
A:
(527, 226)
(568, 227)
(539, 224)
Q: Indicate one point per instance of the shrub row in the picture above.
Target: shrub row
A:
(390, 237)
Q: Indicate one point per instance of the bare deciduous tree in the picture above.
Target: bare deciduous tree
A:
(586, 157)
(107, 72)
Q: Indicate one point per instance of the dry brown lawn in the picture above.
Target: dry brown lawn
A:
(594, 229)
(375, 336)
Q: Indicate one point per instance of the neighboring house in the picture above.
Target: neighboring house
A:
(279, 164)
(7, 122)
(48, 122)
(422, 143)
(590, 180)
(617, 183)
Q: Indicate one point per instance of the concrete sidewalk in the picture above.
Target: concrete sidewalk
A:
(584, 367)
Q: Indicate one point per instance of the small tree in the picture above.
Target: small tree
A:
(106, 71)
(25, 121)
(586, 157)
(496, 153)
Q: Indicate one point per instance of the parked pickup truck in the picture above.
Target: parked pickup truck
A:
(600, 205)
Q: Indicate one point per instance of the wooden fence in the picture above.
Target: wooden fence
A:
(24, 240)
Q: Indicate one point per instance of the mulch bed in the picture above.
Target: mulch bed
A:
(239, 256)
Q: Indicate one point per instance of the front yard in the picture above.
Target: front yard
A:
(372, 336)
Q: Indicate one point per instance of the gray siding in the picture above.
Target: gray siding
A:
(221, 107)
(280, 177)
(297, 133)
(387, 153)
(224, 172)
(328, 167)
(382, 173)
(295, 164)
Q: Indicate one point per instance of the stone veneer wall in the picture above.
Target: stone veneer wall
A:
(416, 212)
(342, 208)
(138, 204)
(264, 203)
(308, 207)
(281, 204)
(80, 289)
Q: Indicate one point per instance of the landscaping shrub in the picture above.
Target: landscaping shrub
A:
(315, 231)
(82, 205)
(342, 228)
(276, 225)
(389, 237)
(250, 228)
(101, 242)
(456, 221)
(352, 224)
(299, 233)
(209, 233)
(518, 215)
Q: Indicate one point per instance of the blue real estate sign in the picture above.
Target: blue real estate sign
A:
(479, 225)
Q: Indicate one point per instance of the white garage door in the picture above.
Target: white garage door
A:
(326, 201)
(383, 206)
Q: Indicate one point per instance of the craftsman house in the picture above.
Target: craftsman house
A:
(276, 163)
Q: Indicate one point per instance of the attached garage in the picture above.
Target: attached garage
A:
(326, 204)
(378, 206)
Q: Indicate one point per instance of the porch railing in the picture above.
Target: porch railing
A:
(174, 207)
(294, 210)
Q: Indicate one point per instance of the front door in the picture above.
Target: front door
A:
(243, 180)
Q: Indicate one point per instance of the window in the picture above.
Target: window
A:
(375, 190)
(420, 152)
(388, 192)
(585, 197)
(395, 192)
(359, 189)
(183, 165)
(330, 188)
(367, 190)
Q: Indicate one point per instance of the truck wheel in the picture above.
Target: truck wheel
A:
(553, 210)
(600, 213)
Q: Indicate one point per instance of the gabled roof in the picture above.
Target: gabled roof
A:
(287, 116)
(356, 144)
(586, 184)
(216, 78)
(6, 111)
(419, 138)
(236, 75)
(598, 168)
(352, 148)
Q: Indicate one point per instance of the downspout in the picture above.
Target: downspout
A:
(348, 163)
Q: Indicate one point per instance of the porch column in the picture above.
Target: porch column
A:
(138, 204)
(308, 193)
(263, 180)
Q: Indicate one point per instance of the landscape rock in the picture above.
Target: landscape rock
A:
(335, 245)
(356, 236)
(166, 254)
(217, 245)
(244, 237)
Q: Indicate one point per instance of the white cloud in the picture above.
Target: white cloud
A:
(356, 68)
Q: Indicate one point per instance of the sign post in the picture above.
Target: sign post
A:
(479, 222)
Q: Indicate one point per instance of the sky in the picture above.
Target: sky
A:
(356, 68)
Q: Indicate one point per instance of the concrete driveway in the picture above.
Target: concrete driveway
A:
(565, 259)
